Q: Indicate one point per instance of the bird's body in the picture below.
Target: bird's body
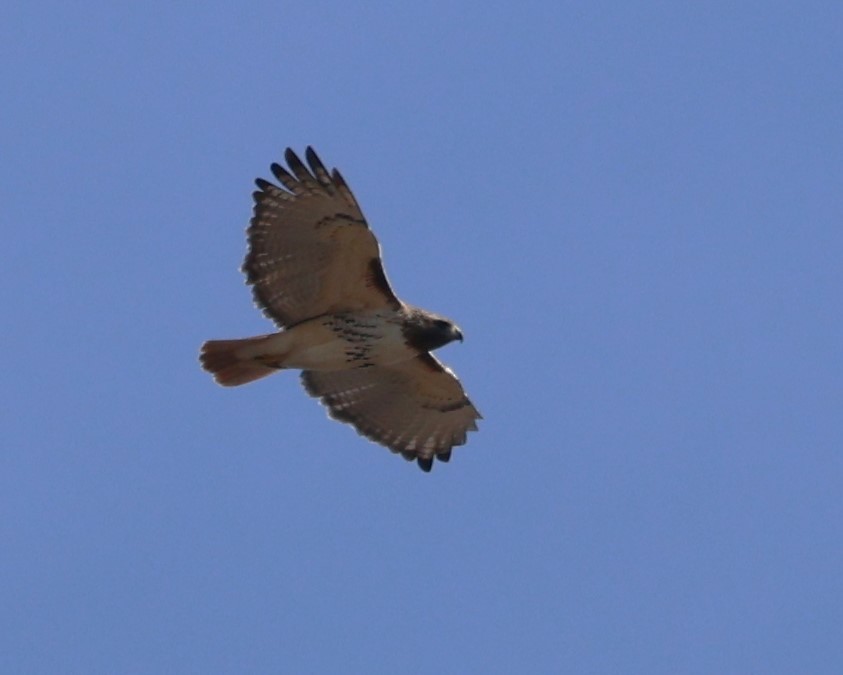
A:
(340, 341)
(316, 270)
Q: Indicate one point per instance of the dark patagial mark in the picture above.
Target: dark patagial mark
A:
(376, 278)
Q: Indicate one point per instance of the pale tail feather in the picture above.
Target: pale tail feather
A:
(220, 358)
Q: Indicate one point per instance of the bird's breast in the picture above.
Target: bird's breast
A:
(344, 341)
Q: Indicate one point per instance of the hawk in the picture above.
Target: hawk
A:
(315, 269)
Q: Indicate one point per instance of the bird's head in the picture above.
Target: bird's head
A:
(448, 329)
(427, 332)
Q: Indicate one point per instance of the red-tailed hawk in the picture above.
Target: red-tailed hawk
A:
(315, 269)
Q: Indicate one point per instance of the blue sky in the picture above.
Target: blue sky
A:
(634, 211)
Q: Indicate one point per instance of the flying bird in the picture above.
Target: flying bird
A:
(315, 269)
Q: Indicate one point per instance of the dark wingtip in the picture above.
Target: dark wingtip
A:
(318, 168)
(311, 156)
(444, 456)
(291, 157)
(297, 166)
(425, 463)
(279, 171)
(338, 179)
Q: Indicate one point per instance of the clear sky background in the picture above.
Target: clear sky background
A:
(634, 210)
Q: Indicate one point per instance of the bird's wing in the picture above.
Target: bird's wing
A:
(311, 251)
(416, 408)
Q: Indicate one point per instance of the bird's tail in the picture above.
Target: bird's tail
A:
(232, 362)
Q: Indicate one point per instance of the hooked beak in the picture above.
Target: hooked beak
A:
(457, 334)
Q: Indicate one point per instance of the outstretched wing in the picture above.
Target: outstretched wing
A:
(311, 251)
(416, 408)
